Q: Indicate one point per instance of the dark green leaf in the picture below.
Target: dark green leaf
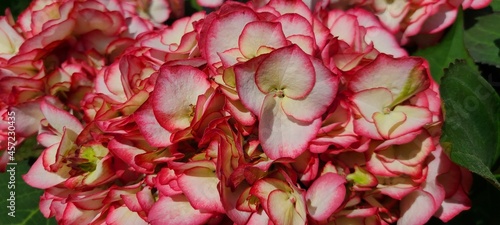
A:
(449, 49)
(495, 5)
(471, 128)
(195, 5)
(16, 7)
(483, 39)
(26, 199)
(28, 149)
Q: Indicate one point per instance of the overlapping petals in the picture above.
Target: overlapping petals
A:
(256, 113)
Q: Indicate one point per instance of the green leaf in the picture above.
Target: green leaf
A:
(195, 5)
(28, 149)
(26, 199)
(449, 49)
(495, 5)
(471, 127)
(483, 39)
(16, 7)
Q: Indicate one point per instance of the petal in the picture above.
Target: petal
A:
(258, 34)
(416, 208)
(249, 93)
(59, 118)
(123, 215)
(224, 32)
(403, 77)
(412, 153)
(282, 136)
(74, 215)
(346, 28)
(199, 184)
(288, 69)
(372, 100)
(318, 100)
(384, 42)
(48, 36)
(416, 118)
(176, 210)
(150, 128)
(176, 93)
(386, 123)
(229, 199)
(263, 188)
(40, 178)
(364, 128)
(127, 153)
(453, 206)
(298, 30)
(325, 195)
(240, 113)
(282, 209)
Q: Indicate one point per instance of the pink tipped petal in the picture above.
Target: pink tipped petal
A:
(48, 139)
(263, 187)
(74, 215)
(325, 195)
(289, 70)
(416, 208)
(306, 43)
(298, 30)
(229, 199)
(364, 128)
(59, 118)
(403, 77)
(410, 154)
(199, 184)
(174, 210)
(384, 42)
(416, 118)
(127, 153)
(151, 130)
(399, 140)
(223, 33)
(49, 156)
(176, 93)
(40, 178)
(317, 101)
(346, 27)
(282, 136)
(453, 206)
(240, 113)
(375, 166)
(249, 93)
(259, 34)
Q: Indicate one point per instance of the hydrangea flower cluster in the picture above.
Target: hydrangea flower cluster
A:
(256, 113)
(420, 21)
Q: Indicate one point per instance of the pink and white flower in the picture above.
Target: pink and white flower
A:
(256, 113)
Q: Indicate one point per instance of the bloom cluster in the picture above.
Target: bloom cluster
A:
(256, 113)
(420, 21)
